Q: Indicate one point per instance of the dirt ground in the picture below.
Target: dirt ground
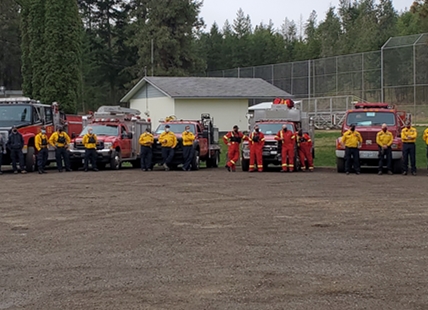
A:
(213, 240)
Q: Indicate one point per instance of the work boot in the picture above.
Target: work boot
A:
(24, 172)
(379, 173)
(347, 173)
(390, 172)
(357, 173)
(1, 172)
(15, 172)
(166, 167)
(413, 173)
(95, 169)
(40, 172)
(228, 168)
(68, 170)
(405, 173)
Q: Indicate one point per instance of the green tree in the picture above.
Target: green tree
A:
(329, 33)
(62, 54)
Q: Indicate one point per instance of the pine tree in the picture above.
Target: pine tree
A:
(62, 54)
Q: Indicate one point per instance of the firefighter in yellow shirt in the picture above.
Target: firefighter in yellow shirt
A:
(384, 140)
(352, 141)
(60, 141)
(146, 142)
(90, 143)
(425, 138)
(408, 137)
(188, 149)
(168, 141)
(41, 143)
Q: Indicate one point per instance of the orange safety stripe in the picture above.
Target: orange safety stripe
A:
(284, 165)
(232, 161)
(252, 166)
(292, 166)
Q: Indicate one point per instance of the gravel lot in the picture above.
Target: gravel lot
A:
(213, 240)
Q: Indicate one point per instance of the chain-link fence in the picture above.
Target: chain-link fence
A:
(396, 74)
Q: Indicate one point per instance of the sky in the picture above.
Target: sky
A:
(276, 10)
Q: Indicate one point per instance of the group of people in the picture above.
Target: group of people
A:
(59, 140)
(168, 142)
(287, 139)
(352, 141)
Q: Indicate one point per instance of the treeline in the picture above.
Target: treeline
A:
(86, 53)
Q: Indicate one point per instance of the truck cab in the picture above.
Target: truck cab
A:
(117, 133)
(206, 144)
(368, 119)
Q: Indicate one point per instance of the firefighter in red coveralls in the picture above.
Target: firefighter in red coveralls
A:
(304, 143)
(256, 141)
(233, 139)
(288, 140)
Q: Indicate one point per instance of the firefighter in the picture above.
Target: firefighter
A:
(90, 142)
(41, 143)
(146, 142)
(233, 139)
(256, 141)
(288, 140)
(425, 138)
(15, 143)
(352, 141)
(384, 140)
(60, 141)
(2, 150)
(168, 142)
(304, 142)
(188, 150)
(408, 136)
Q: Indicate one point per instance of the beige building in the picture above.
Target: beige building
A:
(225, 99)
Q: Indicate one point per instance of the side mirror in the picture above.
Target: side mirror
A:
(130, 135)
(73, 135)
(205, 134)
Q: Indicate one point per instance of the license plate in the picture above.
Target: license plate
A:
(368, 154)
(273, 152)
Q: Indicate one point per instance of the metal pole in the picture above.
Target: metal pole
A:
(292, 77)
(309, 78)
(152, 57)
(272, 74)
(381, 71)
(337, 78)
(414, 80)
(362, 77)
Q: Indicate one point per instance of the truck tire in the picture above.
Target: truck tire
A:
(195, 161)
(213, 161)
(116, 161)
(340, 163)
(30, 160)
(396, 166)
(245, 164)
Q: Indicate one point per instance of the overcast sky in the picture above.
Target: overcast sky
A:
(276, 10)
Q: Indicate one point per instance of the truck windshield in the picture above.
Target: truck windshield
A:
(102, 130)
(369, 118)
(175, 128)
(15, 115)
(273, 128)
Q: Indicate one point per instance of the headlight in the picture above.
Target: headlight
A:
(108, 145)
(393, 146)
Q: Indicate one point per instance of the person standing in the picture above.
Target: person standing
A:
(384, 140)
(408, 137)
(352, 141)
(425, 138)
(41, 144)
(168, 142)
(90, 143)
(256, 141)
(233, 140)
(146, 141)
(304, 143)
(188, 150)
(60, 141)
(288, 140)
(15, 143)
(2, 151)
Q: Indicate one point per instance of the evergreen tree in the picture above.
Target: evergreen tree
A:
(329, 32)
(62, 54)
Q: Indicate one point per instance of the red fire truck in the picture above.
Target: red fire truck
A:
(368, 119)
(29, 116)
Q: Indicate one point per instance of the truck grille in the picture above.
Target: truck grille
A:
(80, 146)
(369, 136)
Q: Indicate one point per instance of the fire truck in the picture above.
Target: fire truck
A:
(118, 130)
(29, 116)
(206, 144)
(368, 119)
(270, 116)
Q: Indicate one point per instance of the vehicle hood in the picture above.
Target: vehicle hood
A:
(100, 138)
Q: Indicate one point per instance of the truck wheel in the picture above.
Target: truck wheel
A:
(196, 161)
(396, 166)
(245, 164)
(30, 160)
(216, 159)
(116, 161)
(340, 163)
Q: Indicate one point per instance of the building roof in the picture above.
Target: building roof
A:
(208, 87)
